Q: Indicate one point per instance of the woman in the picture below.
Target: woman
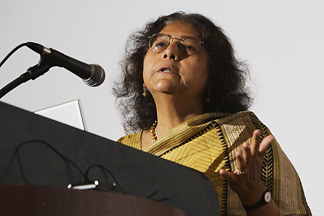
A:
(183, 94)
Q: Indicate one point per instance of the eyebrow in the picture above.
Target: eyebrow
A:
(182, 36)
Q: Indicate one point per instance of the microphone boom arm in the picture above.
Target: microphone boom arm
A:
(32, 73)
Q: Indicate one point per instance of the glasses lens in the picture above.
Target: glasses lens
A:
(159, 42)
(191, 45)
(188, 45)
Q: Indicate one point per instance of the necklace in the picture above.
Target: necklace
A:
(153, 134)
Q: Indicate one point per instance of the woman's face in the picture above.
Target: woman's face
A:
(172, 71)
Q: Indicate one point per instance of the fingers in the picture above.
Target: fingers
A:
(247, 153)
(250, 154)
(265, 144)
(255, 142)
(224, 173)
(227, 175)
(258, 148)
(240, 162)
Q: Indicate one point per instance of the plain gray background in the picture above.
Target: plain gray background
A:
(282, 42)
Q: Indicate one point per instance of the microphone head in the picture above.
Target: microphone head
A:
(97, 76)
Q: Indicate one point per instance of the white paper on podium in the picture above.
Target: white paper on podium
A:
(68, 113)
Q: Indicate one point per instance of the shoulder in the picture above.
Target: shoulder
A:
(132, 140)
(241, 119)
(239, 127)
(239, 116)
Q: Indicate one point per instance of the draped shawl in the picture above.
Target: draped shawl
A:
(208, 143)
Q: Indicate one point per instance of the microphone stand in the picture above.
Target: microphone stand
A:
(32, 73)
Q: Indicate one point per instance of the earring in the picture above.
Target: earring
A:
(208, 99)
(144, 91)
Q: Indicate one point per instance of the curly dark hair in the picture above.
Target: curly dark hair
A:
(226, 73)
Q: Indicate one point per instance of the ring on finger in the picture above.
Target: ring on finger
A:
(238, 172)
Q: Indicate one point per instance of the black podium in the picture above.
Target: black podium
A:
(37, 151)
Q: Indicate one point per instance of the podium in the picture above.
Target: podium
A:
(52, 201)
(39, 154)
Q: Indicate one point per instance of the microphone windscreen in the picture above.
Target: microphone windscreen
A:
(97, 76)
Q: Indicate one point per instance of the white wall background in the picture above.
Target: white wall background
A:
(282, 42)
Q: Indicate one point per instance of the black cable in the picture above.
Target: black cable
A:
(115, 186)
(155, 193)
(12, 51)
(105, 169)
(85, 179)
(47, 144)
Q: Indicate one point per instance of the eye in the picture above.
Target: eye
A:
(190, 48)
(187, 48)
(160, 43)
(191, 45)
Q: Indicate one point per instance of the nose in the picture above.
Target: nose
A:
(172, 52)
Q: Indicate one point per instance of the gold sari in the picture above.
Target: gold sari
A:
(208, 143)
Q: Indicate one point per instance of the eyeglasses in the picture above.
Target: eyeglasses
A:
(188, 45)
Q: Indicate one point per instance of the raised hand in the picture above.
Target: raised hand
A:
(245, 179)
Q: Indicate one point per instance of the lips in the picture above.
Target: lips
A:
(167, 69)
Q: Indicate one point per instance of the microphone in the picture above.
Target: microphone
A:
(92, 74)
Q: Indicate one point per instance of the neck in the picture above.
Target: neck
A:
(172, 111)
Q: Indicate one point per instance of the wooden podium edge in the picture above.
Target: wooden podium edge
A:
(47, 201)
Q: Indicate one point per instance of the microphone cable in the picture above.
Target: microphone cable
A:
(12, 52)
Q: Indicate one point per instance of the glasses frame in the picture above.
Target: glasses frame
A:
(181, 40)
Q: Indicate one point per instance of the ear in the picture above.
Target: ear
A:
(144, 86)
